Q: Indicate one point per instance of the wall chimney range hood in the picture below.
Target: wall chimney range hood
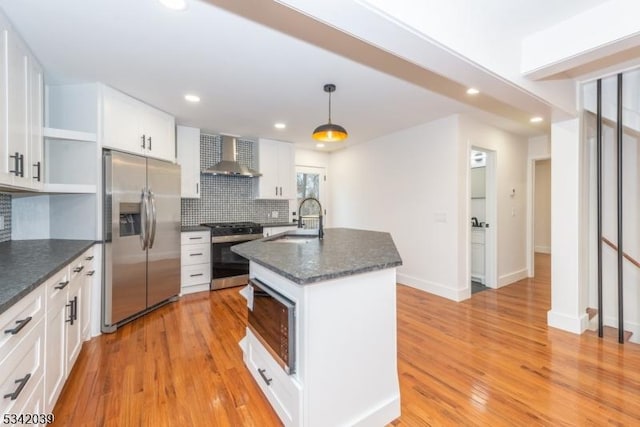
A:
(229, 164)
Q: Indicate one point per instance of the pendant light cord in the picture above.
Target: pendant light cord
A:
(330, 107)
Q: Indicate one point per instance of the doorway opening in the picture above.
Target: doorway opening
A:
(483, 219)
(540, 210)
(310, 182)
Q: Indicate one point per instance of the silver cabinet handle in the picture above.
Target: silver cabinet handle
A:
(144, 219)
(264, 376)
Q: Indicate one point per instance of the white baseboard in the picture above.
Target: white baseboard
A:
(577, 325)
(381, 415)
(438, 289)
(543, 249)
(507, 279)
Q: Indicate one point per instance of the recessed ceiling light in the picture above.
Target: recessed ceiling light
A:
(536, 119)
(192, 98)
(174, 4)
(319, 145)
(279, 126)
(472, 91)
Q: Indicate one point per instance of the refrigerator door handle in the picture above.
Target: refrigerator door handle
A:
(154, 217)
(144, 220)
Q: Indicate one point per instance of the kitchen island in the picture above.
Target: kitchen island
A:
(343, 288)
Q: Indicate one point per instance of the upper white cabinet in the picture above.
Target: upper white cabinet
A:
(135, 127)
(188, 144)
(277, 166)
(21, 100)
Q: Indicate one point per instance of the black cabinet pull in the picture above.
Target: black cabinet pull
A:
(20, 324)
(264, 376)
(197, 187)
(149, 140)
(91, 273)
(21, 165)
(78, 269)
(16, 164)
(198, 254)
(22, 382)
(195, 238)
(195, 275)
(61, 285)
(75, 308)
(70, 319)
(144, 141)
(37, 166)
(89, 258)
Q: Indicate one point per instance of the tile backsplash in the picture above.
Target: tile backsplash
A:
(5, 211)
(227, 198)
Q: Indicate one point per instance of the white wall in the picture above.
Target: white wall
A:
(539, 147)
(511, 159)
(542, 206)
(408, 183)
(568, 233)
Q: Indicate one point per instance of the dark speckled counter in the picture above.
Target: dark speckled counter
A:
(342, 252)
(26, 264)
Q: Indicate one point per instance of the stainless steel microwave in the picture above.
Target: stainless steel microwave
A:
(272, 319)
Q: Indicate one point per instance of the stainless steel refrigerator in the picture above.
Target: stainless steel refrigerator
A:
(141, 236)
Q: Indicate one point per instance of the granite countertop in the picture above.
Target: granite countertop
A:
(25, 264)
(342, 252)
(188, 228)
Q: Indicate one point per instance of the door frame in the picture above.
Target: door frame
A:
(531, 220)
(491, 207)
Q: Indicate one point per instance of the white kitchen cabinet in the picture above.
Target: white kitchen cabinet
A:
(36, 115)
(67, 307)
(89, 272)
(195, 262)
(22, 353)
(21, 112)
(135, 127)
(56, 331)
(478, 254)
(188, 145)
(277, 166)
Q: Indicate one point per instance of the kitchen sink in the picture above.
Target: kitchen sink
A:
(293, 238)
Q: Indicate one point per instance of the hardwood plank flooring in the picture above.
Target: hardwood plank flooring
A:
(490, 360)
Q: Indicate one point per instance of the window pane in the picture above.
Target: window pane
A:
(308, 186)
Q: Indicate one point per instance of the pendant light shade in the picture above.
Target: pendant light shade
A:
(330, 132)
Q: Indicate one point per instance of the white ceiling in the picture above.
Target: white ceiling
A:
(248, 75)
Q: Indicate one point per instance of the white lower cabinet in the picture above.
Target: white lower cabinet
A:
(282, 390)
(195, 262)
(22, 346)
(67, 311)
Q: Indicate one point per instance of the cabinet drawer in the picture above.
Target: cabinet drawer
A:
(195, 274)
(22, 370)
(281, 389)
(56, 287)
(19, 320)
(195, 237)
(196, 254)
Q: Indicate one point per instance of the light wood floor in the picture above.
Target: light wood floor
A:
(490, 360)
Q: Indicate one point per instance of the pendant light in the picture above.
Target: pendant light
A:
(330, 132)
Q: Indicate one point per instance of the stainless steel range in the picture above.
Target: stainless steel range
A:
(227, 268)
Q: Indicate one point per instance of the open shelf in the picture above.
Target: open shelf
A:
(70, 135)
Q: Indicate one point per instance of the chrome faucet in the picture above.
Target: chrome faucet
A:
(320, 229)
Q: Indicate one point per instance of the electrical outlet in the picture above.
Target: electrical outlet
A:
(274, 214)
(1, 222)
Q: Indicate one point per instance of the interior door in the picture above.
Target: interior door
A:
(163, 277)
